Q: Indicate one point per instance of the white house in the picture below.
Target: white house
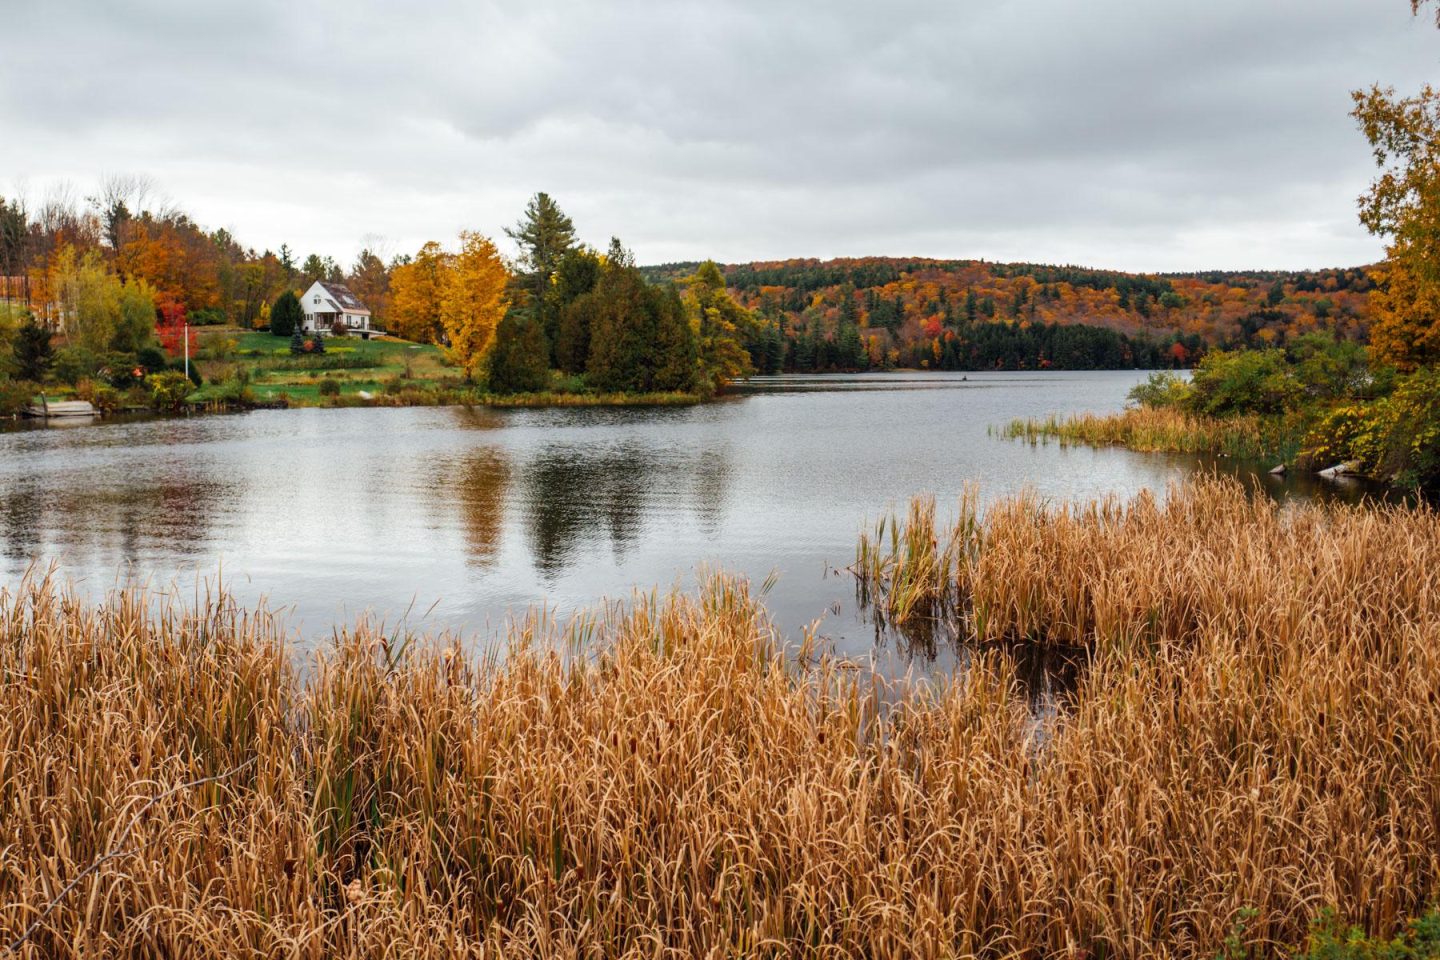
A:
(325, 304)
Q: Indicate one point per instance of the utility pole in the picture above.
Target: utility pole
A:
(187, 349)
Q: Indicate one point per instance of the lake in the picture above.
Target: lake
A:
(464, 516)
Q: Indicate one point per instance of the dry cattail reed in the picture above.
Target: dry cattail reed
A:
(1168, 430)
(1258, 726)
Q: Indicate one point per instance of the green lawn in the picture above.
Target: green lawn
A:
(391, 372)
(273, 370)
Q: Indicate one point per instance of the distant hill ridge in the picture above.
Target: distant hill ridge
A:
(911, 302)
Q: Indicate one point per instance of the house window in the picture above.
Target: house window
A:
(317, 299)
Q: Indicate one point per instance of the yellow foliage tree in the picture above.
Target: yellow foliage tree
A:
(1403, 205)
(1404, 313)
(417, 291)
(474, 300)
(100, 311)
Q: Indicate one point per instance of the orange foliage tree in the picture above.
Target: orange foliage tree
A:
(417, 292)
(174, 257)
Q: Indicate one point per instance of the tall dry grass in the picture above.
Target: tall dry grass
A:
(1151, 430)
(1259, 725)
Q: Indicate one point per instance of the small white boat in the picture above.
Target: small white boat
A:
(60, 408)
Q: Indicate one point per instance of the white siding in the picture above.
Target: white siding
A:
(308, 304)
(328, 304)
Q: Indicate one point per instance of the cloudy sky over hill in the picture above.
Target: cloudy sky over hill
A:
(1162, 135)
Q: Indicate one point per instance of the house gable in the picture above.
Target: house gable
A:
(327, 303)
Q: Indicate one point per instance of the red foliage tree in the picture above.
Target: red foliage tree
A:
(171, 329)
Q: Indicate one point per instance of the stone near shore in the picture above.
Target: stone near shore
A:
(1348, 469)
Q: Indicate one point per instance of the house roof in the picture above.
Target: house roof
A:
(341, 294)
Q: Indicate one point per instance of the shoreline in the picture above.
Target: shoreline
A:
(428, 394)
(518, 401)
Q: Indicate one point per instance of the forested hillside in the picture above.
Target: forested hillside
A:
(972, 314)
(106, 272)
(99, 301)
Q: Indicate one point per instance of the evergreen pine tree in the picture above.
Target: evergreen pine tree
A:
(572, 347)
(674, 347)
(545, 235)
(567, 328)
(33, 351)
(849, 349)
(519, 361)
(286, 314)
(621, 330)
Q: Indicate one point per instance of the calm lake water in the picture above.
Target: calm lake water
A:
(465, 516)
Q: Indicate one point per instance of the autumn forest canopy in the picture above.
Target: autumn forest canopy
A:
(975, 315)
(114, 278)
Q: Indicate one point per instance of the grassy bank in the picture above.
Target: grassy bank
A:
(1316, 404)
(250, 367)
(1271, 439)
(264, 365)
(1256, 730)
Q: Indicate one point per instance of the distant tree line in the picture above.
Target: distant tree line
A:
(986, 345)
(826, 314)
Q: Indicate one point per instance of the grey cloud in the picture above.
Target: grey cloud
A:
(1162, 135)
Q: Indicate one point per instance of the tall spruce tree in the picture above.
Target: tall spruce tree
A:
(675, 348)
(641, 338)
(544, 234)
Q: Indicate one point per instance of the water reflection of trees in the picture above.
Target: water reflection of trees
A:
(484, 478)
(712, 484)
(577, 496)
(129, 519)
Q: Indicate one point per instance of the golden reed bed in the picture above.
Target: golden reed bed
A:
(1259, 726)
(1168, 430)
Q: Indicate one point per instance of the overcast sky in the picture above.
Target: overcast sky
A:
(1134, 134)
